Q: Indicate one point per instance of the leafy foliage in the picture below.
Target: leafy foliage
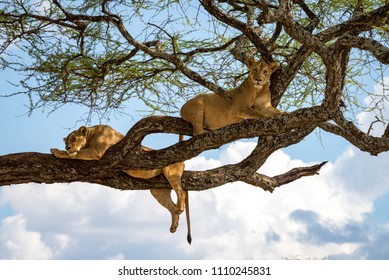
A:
(72, 51)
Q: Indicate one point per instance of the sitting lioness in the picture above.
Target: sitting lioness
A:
(252, 99)
(90, 143)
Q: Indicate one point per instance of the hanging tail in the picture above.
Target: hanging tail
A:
(187, 214)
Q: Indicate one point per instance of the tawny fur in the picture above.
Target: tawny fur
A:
(90, 143)
(252, 99)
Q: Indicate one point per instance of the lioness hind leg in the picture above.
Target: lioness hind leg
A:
(193, 112)
(173, 174)
(164, 198)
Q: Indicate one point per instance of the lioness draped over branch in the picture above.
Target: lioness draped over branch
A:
(252, 99)
(90, 143)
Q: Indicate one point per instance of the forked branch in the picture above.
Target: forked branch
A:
(361, 140)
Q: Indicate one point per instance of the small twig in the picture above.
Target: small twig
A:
(172, 37)
(372, 123)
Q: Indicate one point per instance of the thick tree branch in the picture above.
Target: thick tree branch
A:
(361, 140)
(335, 78)
(266, 146)
(364, 22)
(378, 50)
(269, 144)
(44, 168)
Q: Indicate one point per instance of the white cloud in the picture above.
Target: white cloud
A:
(314, 217)
(16, 242)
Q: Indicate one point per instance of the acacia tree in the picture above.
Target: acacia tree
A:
(104, 54)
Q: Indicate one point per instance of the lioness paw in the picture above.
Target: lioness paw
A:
(58, 153)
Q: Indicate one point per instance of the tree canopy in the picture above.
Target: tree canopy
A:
(104, 54)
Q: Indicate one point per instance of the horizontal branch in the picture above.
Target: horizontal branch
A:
(357, 24)
(191, 180)
(53, 170)
(377, 49)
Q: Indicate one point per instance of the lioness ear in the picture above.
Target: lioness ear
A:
(274, 66)
(250, 61)
(82, 130)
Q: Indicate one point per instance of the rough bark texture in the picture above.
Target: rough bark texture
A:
(45, 168)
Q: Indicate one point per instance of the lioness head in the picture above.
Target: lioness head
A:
(75, 141)
(260, 71)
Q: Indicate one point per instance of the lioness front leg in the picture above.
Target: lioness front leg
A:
(58, 153)
(88, 154)
(85, 154)
(246, 112)
(272, 111)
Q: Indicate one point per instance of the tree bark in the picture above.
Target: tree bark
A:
(45, 168)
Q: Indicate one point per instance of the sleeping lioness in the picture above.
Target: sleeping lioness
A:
(252, 99)
(90, 143)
